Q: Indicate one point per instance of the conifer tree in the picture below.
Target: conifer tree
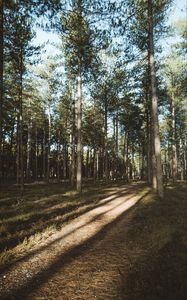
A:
(79, 55)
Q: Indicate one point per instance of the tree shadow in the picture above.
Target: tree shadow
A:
(161, 276)
(61, 261)
(53, 217)
(42, 248)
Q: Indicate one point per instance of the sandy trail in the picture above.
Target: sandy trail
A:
(78, 262)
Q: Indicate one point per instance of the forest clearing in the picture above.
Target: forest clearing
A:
(93, 149)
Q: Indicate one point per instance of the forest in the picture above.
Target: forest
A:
(91, 110)
(96, 108)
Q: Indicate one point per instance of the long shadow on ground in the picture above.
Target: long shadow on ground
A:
(161, 277)
(21, 229)
(162, 273)
(159, 274)
(43, 276)
(42, 248)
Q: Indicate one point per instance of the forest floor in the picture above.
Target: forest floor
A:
(113, 242)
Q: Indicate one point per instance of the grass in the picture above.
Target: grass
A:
(153, 254)
(42, 211)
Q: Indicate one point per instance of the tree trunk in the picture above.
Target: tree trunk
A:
(133, 164)
(36, 153)
(142, 147)
(153, 157)
(174, 148)
(49, 143)
(79, 130)
(44, 155)
(73, 161)
(1, 77)
(21, 121)
(116, 144)
(64, 160)
(148, 135)
(28, 152)
(106, 140)
(87, 162)
(185, 158)
(95, 165)
(58, 157)
(156, 136)
(126, 155)
(17, 151)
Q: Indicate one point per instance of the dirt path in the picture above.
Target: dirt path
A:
(90, 258)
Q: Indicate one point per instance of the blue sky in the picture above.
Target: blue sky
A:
(179, 10)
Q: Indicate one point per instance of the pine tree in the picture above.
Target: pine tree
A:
(79, 55)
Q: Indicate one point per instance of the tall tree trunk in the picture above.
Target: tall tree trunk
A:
(87, 162)
(28, 152)
(126, 155)
(117, 135)
(18, 151)
(106, 140)
(58, 157)
(49, 143)
(72, 178)
(185, 157)
(165, 164)
(142, 147)
(153, 156)
(133, 164)
(44, 155)
(154, 101)
(180, 158)
(174, 148)
(65, 160)
(1, 77)
(79, 130)
(116, 145)
(21, 121)
(36, 153)
(95, 165)
(148, 136)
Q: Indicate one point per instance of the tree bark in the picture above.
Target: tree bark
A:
(73, 148)
(1, 77)
(28, 152)
(174, 148)
(44, 155)
(106, 140)
(49, 143)
(58, 157)
(36, 153)
(21, 121)
(126, 155)
(79, 130)
(116, 145)
(65, 160)
(17, 150)
(148, 135)
(95, 165)
(154, 101)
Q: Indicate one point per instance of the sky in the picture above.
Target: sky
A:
(179, 10)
